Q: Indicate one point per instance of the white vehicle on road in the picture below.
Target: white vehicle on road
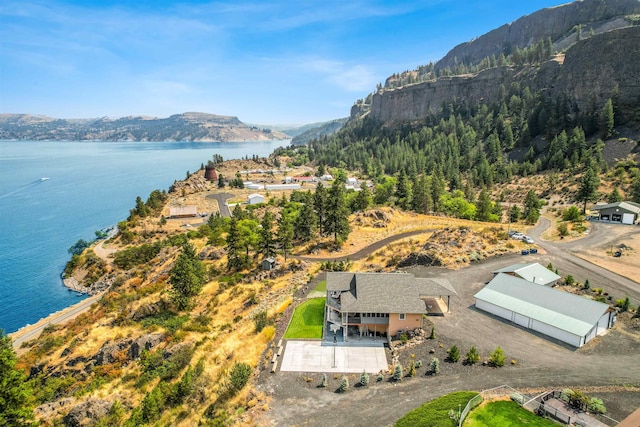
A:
(527, 239)
(517, 236)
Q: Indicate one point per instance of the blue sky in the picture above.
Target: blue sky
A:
(267, 62)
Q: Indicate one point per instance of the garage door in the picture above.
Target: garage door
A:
(627, 218)
(521, 320)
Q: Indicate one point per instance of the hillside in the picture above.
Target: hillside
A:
(197, 127)
(318, 131)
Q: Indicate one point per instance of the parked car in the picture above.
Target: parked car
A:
(527, 239)
(517, 236)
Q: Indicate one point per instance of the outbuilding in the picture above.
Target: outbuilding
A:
(268, 264)
(255, 198)
(618, 212)
(570, 318)
(532, 272)
(183, 212)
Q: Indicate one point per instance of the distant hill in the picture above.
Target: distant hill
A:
(318, 130)
(197, 127)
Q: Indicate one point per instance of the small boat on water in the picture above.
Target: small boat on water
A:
(44, 179)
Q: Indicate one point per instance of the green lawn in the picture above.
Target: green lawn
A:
(504, 413)
(307, 320)
(436, 412)
(321, 287)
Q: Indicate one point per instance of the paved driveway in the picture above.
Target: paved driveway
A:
(311, 356)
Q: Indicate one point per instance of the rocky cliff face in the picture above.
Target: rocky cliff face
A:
(199, 127)
(554, 22)
(589, 72)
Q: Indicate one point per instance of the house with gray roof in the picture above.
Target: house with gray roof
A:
(532, 272)
(570, 318)
(382, 304)
(619, 212)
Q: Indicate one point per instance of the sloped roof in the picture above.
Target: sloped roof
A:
(533, 272)
(628, 206)
(385, 292)
(183, 210)
(569, 312)
(251, 196)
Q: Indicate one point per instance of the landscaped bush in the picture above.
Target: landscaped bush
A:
(472, 356)
(497, 357)
(344, 384)
(397, 372)
(453, 354)
(323, 381)
(518, 398)
(435, 366)
(364, 378)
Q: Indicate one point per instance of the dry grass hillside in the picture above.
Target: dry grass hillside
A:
(134, 354)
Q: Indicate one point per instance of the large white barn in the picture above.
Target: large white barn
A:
(567, 317)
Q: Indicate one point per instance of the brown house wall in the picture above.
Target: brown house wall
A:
(410, 322)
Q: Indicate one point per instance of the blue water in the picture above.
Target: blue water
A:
(92, 185)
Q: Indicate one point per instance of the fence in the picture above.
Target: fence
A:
(503, 390)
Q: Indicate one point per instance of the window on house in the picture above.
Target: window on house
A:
(402, 316)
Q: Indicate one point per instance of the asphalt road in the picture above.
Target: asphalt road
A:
(30, 332)
(221, 198)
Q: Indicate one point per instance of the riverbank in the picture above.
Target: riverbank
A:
(30, 332)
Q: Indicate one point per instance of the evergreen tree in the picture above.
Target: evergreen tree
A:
(220, 181)
(267, 242)
(362, 200)
(635, 190)
(305, 223)
(437, 188)
(614, 196)
(285, 234)
(235, 258)
(531, 207)
(483, 207)
(607, 120)
(403, 190)
(472, 356)
(239, 213)
(320, 206)
(15, 391)
(187, 277)
(422, 201)
(588, 189)
(337, 216)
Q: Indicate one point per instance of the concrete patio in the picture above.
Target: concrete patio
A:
(313, 356)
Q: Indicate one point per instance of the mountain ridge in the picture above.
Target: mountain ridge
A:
(189, 126)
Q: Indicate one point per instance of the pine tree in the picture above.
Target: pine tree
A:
(267, 242)
(531, 207)
(15, 393)
(607, 119)
(437, 188)
(285, 234)
(453, 354)
(588, 189)
(320, 206)
(220, 181)
(614, 196)
(635, 190)
(235, 259)
(472, 356)
(421, 201)
(397, 372)
(362, 199)
(403, 190)
(337, 212)
(187, 277)
(497, 357)
(483, 207)
(306, 223)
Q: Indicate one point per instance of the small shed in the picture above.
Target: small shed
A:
(183, 212)
(268, 264)
(619, 212)
(255, 198)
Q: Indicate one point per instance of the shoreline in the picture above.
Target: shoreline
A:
(33, 331)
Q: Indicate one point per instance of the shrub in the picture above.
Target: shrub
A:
(323, 381)
(518, 398)
(404, 338)
(472, 356)
(596, 406)
(344, 384)
(419, 364)
(364, 378)
(435, 366)
(432, 336)
(453, 354)
(397, 372)
(562, 228)
(624, 304)
(412, 369)
(586, 284)
(239, 376)
(497, 357)
(260, 320)
(379, 378)
(569, 280)
(572, 214)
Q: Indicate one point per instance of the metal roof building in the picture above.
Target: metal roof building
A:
(623, 212)
(567, 317)
(531, 272)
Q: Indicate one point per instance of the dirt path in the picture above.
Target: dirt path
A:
(368, 250)
(103, 252)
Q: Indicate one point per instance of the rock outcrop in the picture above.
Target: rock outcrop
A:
(591, 70)
(87, 413)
